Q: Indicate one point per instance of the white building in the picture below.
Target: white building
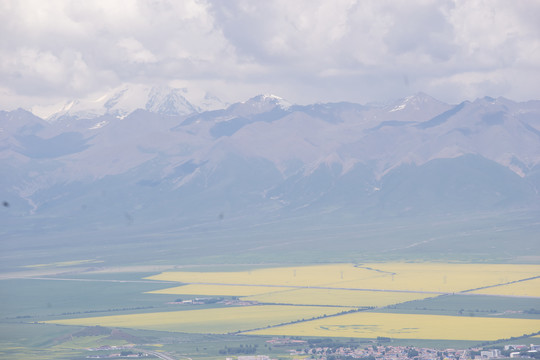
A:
(490, 354)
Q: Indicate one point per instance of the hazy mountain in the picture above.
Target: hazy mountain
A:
(123, 100)
(167, 165)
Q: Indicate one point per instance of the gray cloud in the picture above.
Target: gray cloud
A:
(304, 50)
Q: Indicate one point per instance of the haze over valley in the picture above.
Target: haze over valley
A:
(276, 180)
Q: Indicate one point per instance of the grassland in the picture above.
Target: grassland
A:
(215, 321)
(33, 341)
(407, 326)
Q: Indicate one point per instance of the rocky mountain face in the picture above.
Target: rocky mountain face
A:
(169, 164)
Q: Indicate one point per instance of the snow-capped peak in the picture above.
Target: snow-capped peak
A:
(259, 104)
(414, 102)
(125, 99)
(167, 101)
(271, 99)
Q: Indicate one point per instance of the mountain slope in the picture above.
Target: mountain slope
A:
(267, 161)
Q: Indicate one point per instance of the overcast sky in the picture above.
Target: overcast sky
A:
(303, 50)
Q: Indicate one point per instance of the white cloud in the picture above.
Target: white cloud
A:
(304, 50)
(135, 52)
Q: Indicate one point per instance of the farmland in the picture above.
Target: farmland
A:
(530, 288)
(218, 290)
(408, 277)
(301, 276)
(336, 297)
(216, 321)
(407, 326)
(298, 301)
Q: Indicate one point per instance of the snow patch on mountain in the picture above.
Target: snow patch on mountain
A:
(258, 105)
(125, 99)
(122, 101)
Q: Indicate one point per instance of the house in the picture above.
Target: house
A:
(490, 354)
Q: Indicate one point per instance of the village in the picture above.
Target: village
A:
(407, 353)
(328, 351)
(377, 352)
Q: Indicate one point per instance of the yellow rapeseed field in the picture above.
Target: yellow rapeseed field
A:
(522, 288)
(430, 277)
(336, 297)
(218, 290)
(335, 288)
(317, 275)
(408, 326)
(437, 277)
(215, 321)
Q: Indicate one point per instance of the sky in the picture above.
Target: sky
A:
(305, 51)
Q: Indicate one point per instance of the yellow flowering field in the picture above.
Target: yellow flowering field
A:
(522, 288)
(408, 326)
(336, 297)
(429, 277)
(447, 278)
(215, 321)
(218, 290)
(317, 275)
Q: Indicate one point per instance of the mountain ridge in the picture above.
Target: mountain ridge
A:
(123, 100)
(268, 157)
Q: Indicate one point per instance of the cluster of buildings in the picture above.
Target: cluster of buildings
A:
(415, 353)
(383, 352)
(126, 351)
(519, 351)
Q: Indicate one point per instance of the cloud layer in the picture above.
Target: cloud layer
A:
(305, 50)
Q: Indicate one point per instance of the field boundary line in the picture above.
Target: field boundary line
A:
(502, 284)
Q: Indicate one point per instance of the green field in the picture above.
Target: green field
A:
(39, 299)
(471, 305)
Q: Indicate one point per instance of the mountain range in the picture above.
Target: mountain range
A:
(152, 160)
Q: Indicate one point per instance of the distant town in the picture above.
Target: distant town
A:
(377, 352)
(310, 350)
